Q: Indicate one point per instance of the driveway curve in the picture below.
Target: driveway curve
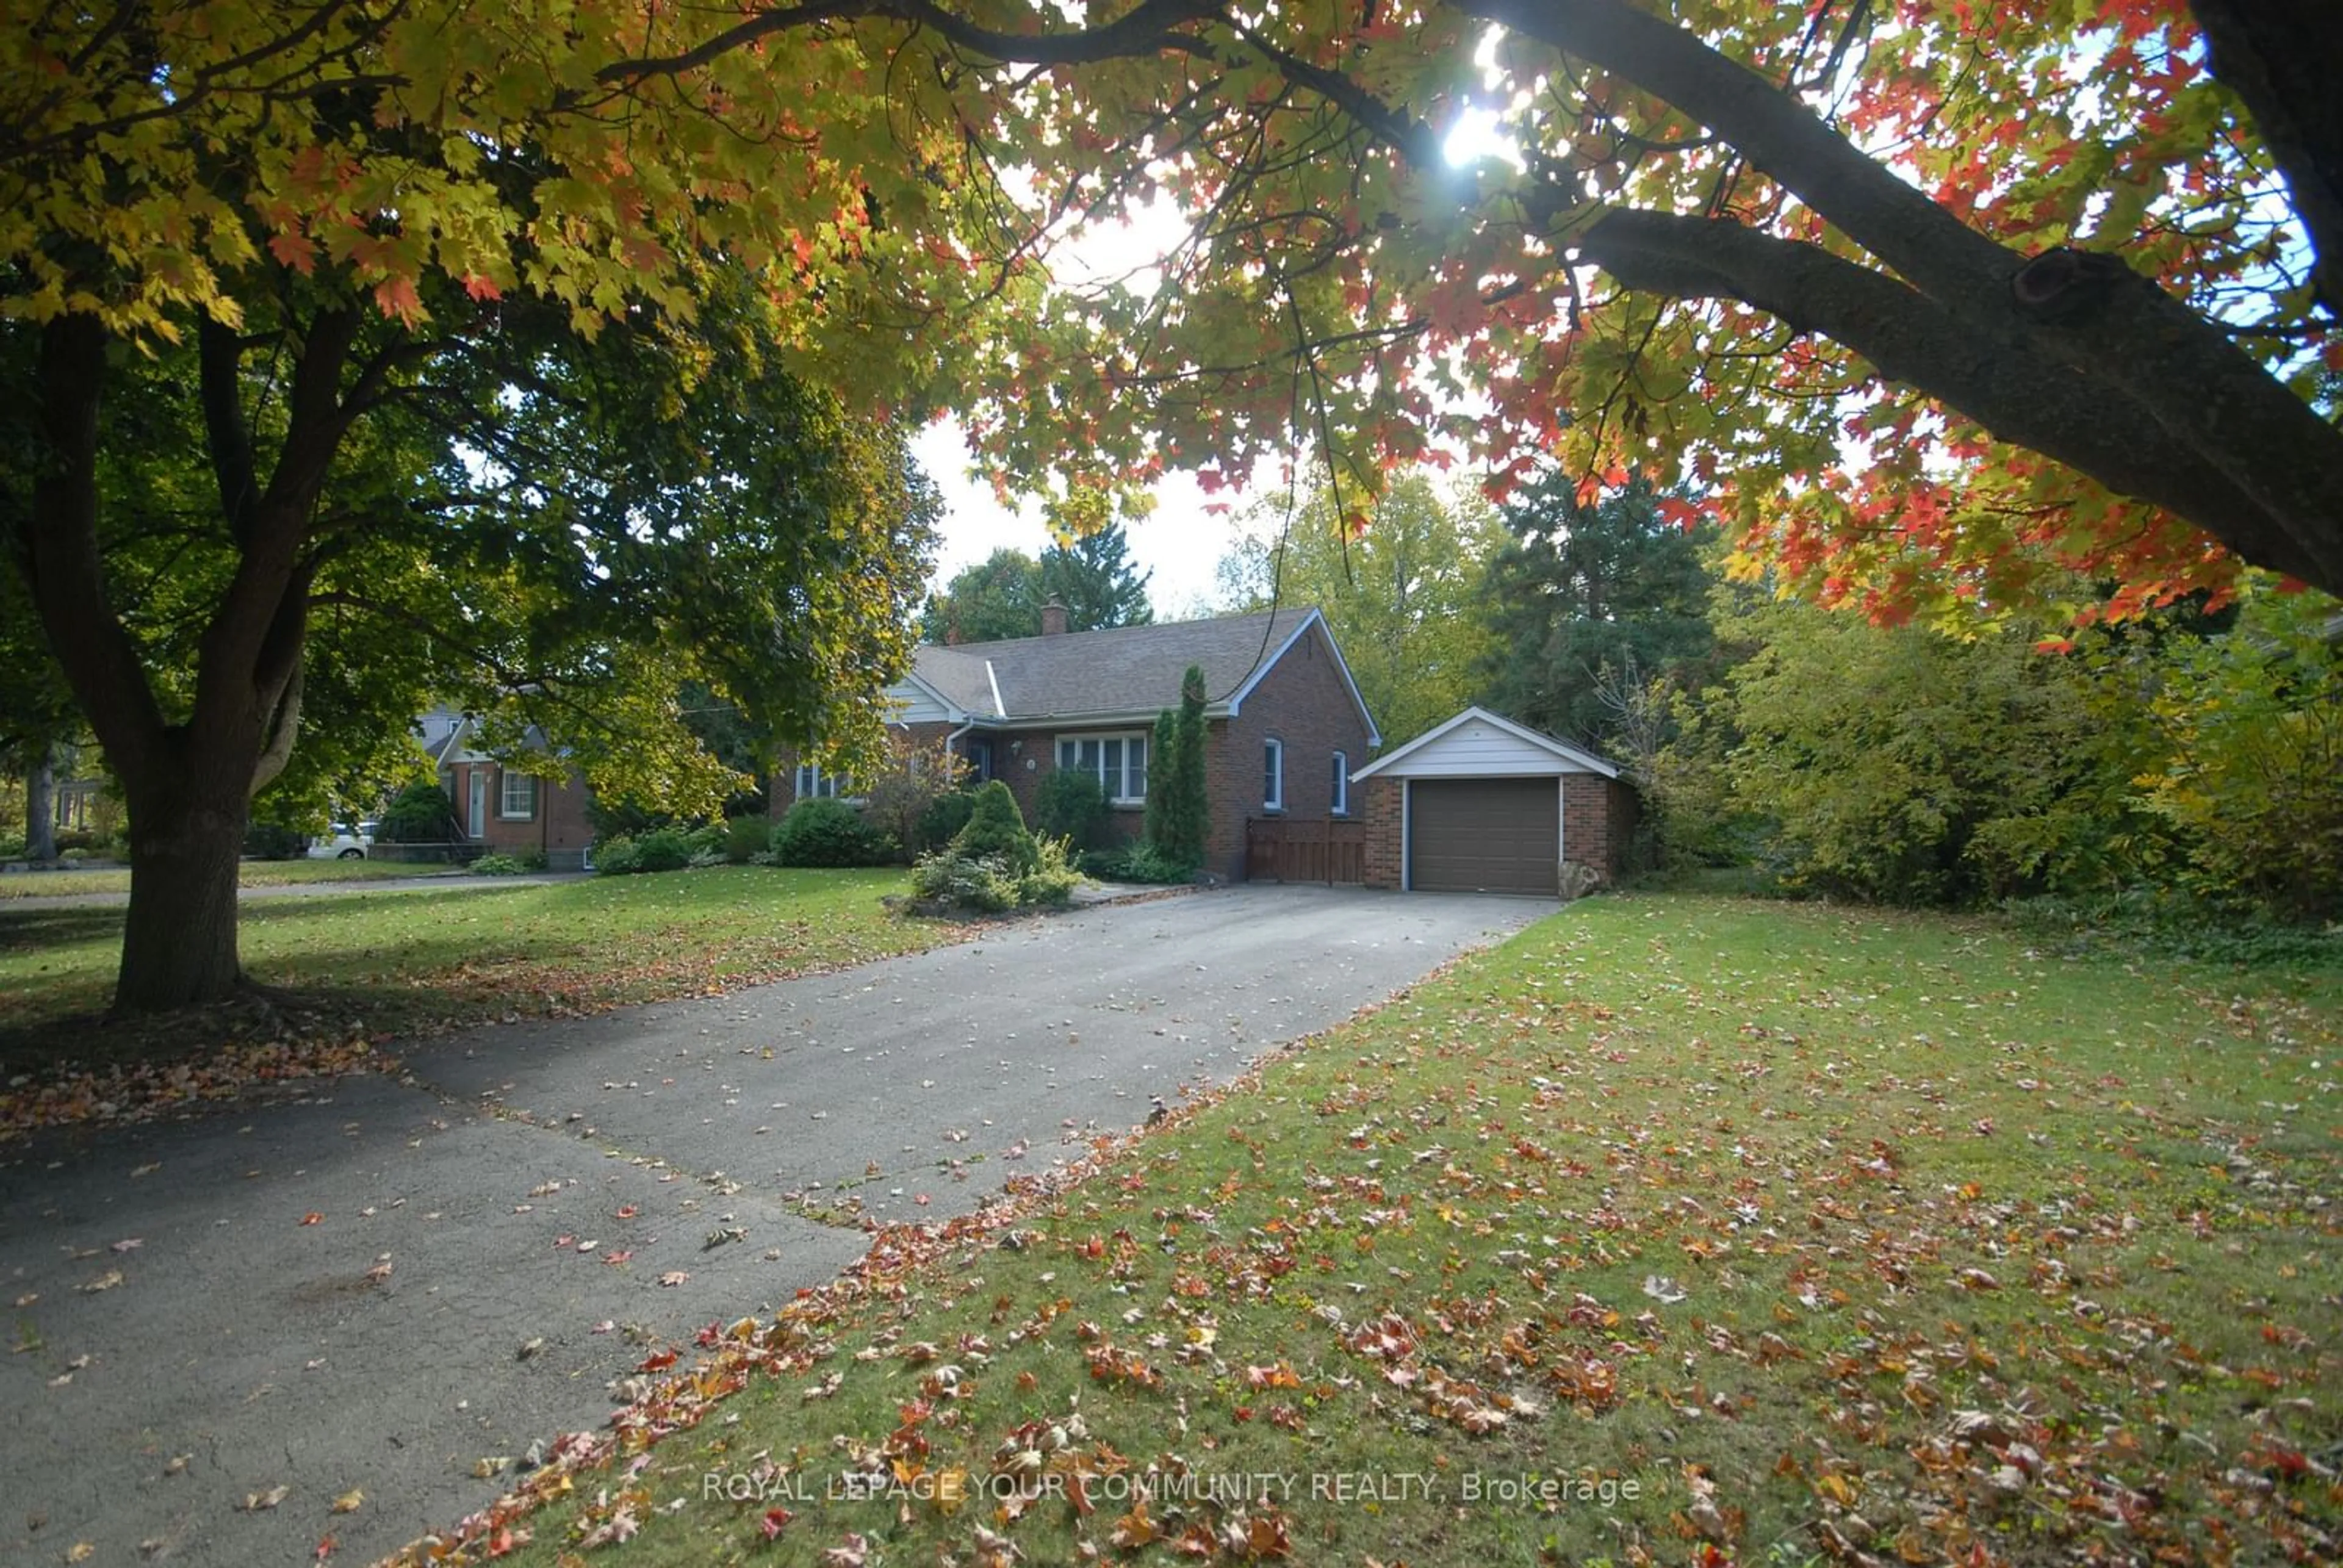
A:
(377, 1287)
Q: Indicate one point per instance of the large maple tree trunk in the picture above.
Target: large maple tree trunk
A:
(186, 834)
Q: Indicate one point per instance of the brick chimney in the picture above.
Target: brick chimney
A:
(1053, 619)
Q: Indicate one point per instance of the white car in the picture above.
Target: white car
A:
(347, 841)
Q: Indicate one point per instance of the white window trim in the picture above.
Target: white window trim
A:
(1339, 802)
(1272, 774)
(1145, 738)
(506, 779)
(842, 788)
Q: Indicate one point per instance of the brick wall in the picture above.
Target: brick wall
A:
(1597, 817)
(1304, 702)
(1385, 804)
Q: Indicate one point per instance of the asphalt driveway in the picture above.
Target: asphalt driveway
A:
(374, 1289)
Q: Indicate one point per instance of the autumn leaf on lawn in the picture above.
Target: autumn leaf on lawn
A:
(1134, 1528)
(1660, 1288)
(349, 1501)
(849, 1552)
(261, 1501)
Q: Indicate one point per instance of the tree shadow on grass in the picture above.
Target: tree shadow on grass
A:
(31, 930)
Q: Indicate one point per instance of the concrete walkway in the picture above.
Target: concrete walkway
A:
(335, 1293)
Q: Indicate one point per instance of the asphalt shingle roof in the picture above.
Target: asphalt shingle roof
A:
(1127, 670)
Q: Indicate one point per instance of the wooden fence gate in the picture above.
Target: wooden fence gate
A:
(1281, 850)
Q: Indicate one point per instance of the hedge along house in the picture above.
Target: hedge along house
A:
(1284, 726)
(1482, 804)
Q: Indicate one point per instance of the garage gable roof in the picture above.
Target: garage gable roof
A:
(1424, 754)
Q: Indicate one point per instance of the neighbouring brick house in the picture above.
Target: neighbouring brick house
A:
(503, 809)
(1482, 804)
(1284, 724)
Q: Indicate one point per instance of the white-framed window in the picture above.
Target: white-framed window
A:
(517, 797)
(1338, 795)
(1119, 762)
(1272, 775)
(816, 783)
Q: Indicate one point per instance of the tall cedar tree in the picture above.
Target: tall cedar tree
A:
(1159, 791)
(1186, 821)
(1579, 586)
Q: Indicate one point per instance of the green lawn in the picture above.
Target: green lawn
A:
(250, 873)
(1679, 1230)
(356, 971)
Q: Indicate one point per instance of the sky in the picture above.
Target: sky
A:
(1178, 545)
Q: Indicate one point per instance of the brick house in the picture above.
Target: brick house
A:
(1482, 804)
(1284, 724)
(504, 810)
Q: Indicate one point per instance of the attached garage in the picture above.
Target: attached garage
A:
(1482, 804)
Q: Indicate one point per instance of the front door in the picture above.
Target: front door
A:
(478, 821)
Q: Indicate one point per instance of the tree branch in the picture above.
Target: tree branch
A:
(2000, 379)
(220, 361)
(284, 725)
(58, 554)
(1148, 28)
(1859, 195)
(2284, 58)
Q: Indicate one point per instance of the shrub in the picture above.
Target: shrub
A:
(1137, 863)
(997, 829)
(419, 815)
(663, 850)
(745, 837)
(617, 856)
(983, 882)
(899, 799)
(1072, 805)
(2252, 775)
(819, 832)
(707, 839)
(946, 815)
(498, 865)
(1051, 883)
(622, 819)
